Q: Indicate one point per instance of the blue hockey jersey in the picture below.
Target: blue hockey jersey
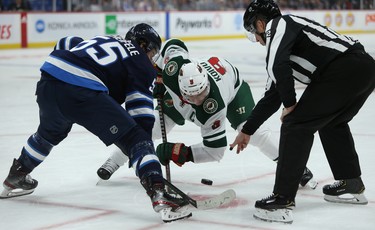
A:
(113, 65)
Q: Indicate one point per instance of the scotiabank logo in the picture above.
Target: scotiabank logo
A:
(5, 32)
(370, 18)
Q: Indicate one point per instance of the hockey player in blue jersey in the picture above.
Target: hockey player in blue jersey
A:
(86, 85)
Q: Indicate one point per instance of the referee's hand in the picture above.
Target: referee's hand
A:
(241, 141)
(286, 111)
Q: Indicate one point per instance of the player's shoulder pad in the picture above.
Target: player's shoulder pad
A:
(173, 42)
(174, 65)
(171, 71)
(66, 43)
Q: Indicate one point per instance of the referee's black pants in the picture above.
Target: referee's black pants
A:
(327, 105)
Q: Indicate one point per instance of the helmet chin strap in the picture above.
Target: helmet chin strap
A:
(263, 36)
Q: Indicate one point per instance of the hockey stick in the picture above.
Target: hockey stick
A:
(163, 134)
(214, 202)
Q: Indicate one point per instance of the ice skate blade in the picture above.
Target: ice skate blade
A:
(167, 215)
(277, 215)
(6, 193)
(347, 198)
(312, 183)
(100, 181)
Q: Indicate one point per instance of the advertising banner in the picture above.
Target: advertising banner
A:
(206, 25)
(10, 30)
(49, 27)
(120, 23)
(343, 21)
(29, 29)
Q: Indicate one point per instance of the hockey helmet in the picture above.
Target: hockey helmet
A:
(143, 33)
(265, 9)
(192, 79)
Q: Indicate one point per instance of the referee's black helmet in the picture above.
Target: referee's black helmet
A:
(259, 9)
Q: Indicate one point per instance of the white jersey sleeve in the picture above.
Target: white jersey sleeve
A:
(214, 143)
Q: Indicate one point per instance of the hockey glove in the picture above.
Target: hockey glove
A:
(177, 152)
(159, 89)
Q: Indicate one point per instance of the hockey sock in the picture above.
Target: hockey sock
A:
(140, 149)
(130, 139)
(34, 152)
(146, 163)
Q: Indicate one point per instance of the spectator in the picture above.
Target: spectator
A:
(20, 5)
(127, 5)
(77, 5)
(142, 5)
(107, 5)
(95, 6)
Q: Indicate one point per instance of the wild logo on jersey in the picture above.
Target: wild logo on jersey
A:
(168, 102)
(210, 105)
(171, 68)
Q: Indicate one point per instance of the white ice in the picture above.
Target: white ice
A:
(68, 198)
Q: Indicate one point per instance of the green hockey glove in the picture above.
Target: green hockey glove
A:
(177, 152)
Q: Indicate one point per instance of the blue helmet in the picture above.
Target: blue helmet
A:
(259, 9)
(143, 33)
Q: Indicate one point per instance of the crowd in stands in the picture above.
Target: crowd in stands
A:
(162, 5)
(159, 5)
(326, 4)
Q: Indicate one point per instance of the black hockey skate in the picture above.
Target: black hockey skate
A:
(346, 191)
(18, 183)
(275, 208)
(170, 206)
(107, 169)
(308, 178)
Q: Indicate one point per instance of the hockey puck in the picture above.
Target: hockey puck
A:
(206, 181)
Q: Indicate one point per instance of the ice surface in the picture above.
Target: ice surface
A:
(67, 196)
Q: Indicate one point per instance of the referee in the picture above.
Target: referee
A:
(339, 75)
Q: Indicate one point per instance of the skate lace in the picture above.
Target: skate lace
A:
(110, 166)
(337, 184)
(272, 196)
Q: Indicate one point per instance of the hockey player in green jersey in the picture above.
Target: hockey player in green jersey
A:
(206, 92)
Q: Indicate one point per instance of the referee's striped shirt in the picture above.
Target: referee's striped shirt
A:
(297, 49)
